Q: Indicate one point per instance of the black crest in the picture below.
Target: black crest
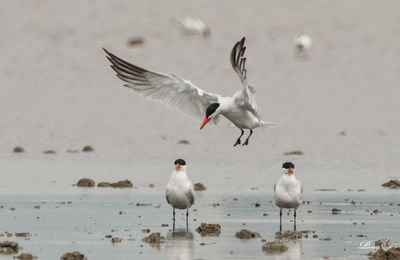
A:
(211, 109)
(288, 165)
(180, 162)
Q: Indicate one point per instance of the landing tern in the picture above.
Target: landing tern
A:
(180, 94)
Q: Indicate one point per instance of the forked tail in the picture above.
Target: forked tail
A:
(269, 124)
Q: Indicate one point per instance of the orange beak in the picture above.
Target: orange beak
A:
(177, 166)
(205, 121)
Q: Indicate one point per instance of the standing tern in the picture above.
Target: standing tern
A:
(180, 94)
(288, 190)
(179, 192)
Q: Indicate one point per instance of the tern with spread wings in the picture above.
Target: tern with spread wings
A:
(180, 94)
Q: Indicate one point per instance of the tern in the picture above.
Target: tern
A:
(179, 192)
(288, 190)
(180, 94)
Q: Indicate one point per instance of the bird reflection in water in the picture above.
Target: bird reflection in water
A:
(180, 244)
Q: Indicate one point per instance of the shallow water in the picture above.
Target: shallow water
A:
(81, 222)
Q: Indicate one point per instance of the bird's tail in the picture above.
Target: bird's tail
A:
(269, 124)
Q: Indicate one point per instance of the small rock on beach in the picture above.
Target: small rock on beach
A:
(9, 248)
(209, 229)
(73, 256)
(246, 234)
(18, 149)
(199, 186)
(85, 182)
(154, 238)
(392, 184)
(25, 256)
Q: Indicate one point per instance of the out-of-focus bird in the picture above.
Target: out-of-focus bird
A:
(175, 92)
(288, 191)
(189, 25)
(302, 43)
(180, 192)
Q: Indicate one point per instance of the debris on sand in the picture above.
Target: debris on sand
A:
(209, 229)
(246, 234)
(154, 238)
(9, 248)
(275, 247)
(116, 240)
(25, 256)
(199, 186)
(87, 149)
(183, 141)
(85, 182)
(135, 41)
(295, 152)
(103, 184)
(290, 235)
(118, 184)
(72, 151)
(73, 256)
(336, 211)
(392, 184)
(384, 250)
(325, 238)
(23, 234)
(49, 152)
(18, 149)
(326, 189)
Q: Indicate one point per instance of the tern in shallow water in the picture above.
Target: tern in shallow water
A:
(180, 94)
(179, 192)
(288, 190)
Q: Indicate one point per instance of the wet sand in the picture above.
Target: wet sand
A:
(82, 222)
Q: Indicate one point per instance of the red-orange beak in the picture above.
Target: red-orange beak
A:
(177, 166)
(205, 121)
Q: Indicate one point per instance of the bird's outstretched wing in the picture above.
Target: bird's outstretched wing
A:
(170, 90)
(244, 98)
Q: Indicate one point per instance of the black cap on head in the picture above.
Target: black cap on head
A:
(180, 162)
(288, 165)
(211, 109)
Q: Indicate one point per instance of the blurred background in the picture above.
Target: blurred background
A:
(338, 98)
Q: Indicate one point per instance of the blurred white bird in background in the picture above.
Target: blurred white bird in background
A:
(302, 43)
(192, 26)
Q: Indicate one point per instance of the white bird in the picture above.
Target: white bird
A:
(180, 94)
(303, 43)
(179, 192)
(190, 25)
(288, 191)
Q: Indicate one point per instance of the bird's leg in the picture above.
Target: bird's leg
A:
(280, 221)
(247, 139)
(294, 220)
(187, 222)
(173, 219)
(238, 140)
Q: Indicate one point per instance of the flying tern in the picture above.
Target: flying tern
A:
(180, 94)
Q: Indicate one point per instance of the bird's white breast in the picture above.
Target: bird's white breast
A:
(288, 192)
(179, 189)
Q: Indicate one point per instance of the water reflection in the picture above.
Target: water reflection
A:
(180, 244)
(293, 252)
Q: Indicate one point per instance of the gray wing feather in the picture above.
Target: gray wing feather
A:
(191, 196)
(170, 90)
